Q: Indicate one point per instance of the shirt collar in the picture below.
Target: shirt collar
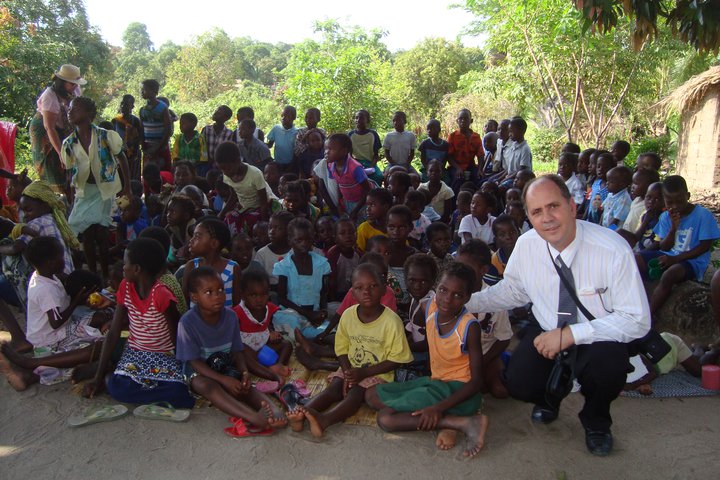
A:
(569, 253)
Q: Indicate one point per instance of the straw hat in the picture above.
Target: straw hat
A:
(70, 73)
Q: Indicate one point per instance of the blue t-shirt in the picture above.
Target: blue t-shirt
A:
(284, 143)
(434, 151)
(303, 290)
(197, 340)
(695, 227)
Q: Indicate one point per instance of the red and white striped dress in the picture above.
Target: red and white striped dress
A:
(149, 331)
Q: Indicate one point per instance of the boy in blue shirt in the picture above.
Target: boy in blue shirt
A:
(283, 137)
(686, 233)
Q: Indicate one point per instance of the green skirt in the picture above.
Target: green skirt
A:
(424, 392)
(90, 209)
(45, 158)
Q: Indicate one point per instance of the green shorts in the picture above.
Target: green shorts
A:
(424, 392)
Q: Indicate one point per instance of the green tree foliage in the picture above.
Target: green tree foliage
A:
(136, 39)
(36, 37)
(343, 72)
(426, 73)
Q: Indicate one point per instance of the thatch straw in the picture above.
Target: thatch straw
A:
(691, 92)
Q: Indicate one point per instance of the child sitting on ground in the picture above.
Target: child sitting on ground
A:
(325, 234)
(439, 237)
(400, 144)
(165, 277)
(209, 329)
(271, 174)
(278, 248)
(420, 276)
(516, 210)
(379, 201)
(616, 206)
(649, 161)
(51, 327)
(619, 151)
(209, 239)
(644, 237)
(183, 174)
(297, 202)
(450, 398)
(283, 138)
(369, 344)
(478, 224)
(641, 180)
(255, 313)
(179, 213)
(415, 201)
(440, 193)
(129, 224)
(303, 277)
(261, 234)
(343, 258)
(350, 176)
(150, 311)
(399, 185)
(506, 235)
(495, 327)
(464, 199)
(399, 226)
(686, 232)
(583, 164)
(599, 191)
(190, 145)
(242, 252)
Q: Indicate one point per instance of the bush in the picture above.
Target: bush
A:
(663, 145)
(545, 143)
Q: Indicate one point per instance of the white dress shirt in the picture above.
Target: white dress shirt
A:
(607, 282)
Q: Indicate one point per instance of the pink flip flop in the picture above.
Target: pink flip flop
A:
(240, 430)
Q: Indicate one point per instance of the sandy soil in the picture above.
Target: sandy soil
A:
(656, 439)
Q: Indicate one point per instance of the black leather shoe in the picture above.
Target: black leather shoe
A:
(543, 414)
(599, 443)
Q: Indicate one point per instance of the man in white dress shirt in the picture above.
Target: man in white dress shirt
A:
(599, 264)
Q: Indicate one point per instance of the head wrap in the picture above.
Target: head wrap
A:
(42, 191)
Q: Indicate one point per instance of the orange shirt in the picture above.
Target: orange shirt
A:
(449, 359)
(463, 150)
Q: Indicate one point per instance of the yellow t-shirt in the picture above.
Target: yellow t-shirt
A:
(368, 344)
(365, 232)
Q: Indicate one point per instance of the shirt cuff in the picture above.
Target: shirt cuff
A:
(582, 333)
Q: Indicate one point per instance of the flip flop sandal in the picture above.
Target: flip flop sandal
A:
(97, 415)
(301, 387)
(290, 396)
(240, 430)
(161, 411)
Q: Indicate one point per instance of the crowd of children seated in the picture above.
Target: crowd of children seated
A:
(228, 256)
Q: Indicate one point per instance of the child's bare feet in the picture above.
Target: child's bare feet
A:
(446, 439)
(14, 357)
(281, 371)
(313, 419)
(475, 430)
(645, 389)
(17, 379)
(274, 418)
(83, 372)
(303, 342)
(297, 420)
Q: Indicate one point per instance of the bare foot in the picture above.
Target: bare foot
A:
(303, 342)
(645, 389)
(316, 428)
(21, 346)
(297, 420)
(281, 370)
(446, 439)
(83, 372)
(15, 358)
(475, 431)
(274, 418)
(16, 378)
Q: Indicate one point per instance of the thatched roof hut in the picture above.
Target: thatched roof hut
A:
(698, 101)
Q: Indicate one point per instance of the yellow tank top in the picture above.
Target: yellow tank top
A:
(449, 359)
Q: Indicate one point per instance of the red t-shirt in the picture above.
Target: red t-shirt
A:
(149, 330)
(464, 150)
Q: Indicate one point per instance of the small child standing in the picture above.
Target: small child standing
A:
(369, 344)
(255, 312)
(400, 145)
(252, 150)
(283, 138)
(616, 206)
(190, 145)
(450, 398)
(465, 146)
(217, 133)
(433, 147)
(278, 248)
(415, 201)
(303, 283)
(343, 258)
(439, 237)
(378, 202)
(129, 128)
(209, 238)
(314, 151)
(211, 330)
(312, 118)
(157, 127)
(366, 145)
(350, 176)
(478, 224)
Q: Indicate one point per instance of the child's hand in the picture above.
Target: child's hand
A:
(667, 261)
(355, 375)
(429, 417)
(674, 218)
(234, 386)
(246, 384)
(318, 317)
(275, 337)
(92, 388)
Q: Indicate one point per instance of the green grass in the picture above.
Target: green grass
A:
(541, 168)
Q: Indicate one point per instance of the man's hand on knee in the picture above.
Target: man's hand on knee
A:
(548, 344)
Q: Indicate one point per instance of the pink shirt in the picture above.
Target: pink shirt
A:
(350, 180)
(388, 300)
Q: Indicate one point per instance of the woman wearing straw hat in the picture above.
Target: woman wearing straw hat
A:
(50, 125)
